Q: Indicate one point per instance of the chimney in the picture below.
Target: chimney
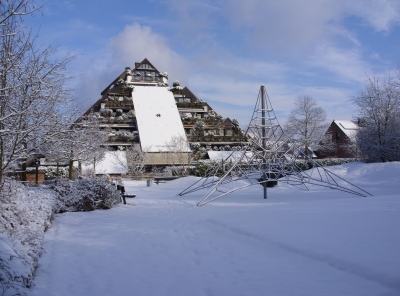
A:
(128, 72)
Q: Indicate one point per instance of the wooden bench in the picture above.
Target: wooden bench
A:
(164, 179)
(129, 195)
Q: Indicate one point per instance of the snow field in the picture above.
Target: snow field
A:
(321, 242)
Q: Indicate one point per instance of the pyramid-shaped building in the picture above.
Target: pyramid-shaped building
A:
(140, 107)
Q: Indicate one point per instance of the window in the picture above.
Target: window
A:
(337, 137)
(145, 66)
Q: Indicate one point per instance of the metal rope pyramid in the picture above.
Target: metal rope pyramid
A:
(265, 157)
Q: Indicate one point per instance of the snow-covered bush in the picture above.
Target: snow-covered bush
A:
(195, 146)
(131, 114)
(106, 112)
(85, 194)
(204, 167)
(26, 213)
(198, 129)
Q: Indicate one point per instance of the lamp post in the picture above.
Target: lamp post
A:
(37, 163)
(264, 140)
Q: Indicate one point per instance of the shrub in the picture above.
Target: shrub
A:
(86, 194)
(26, 213)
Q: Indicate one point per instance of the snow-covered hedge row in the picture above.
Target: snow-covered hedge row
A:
(26, 213)
(323, 162)
(204, 167)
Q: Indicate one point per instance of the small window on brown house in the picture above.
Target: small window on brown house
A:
(337, 137)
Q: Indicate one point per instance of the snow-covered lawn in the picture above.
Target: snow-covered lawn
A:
(321, 242)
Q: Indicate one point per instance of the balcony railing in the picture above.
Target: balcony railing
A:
(122, 104)
(215, 138)
(207, 121)
(146, 78)
(189, 105)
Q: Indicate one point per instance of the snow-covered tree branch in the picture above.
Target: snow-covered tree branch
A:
(306, 123)
(36, 104)
(379, 112)
(178, 154)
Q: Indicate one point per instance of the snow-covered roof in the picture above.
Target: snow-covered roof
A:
(222, 155)
(310, 149)
(114, 162)
(157, 118)
(347, 127)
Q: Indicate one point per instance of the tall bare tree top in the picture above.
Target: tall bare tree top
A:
(9, 8)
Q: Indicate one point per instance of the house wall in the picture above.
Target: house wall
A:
(161, 159)
(339, 138)
(31, 178)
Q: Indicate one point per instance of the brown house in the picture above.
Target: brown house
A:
(339, 136)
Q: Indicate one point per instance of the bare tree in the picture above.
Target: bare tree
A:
(306, 123)
(16, 8)
(378, 106)
(83, 142)
(134, 160)
(177, 154)
(35, 102)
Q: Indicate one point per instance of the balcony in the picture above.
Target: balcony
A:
(138, 78)
(216, 139)
(211, 121)
(119, 104)
(183, 105)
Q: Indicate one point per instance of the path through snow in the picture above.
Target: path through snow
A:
(322, 242)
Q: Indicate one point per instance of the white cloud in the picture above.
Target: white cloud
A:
(137, 42)
(304, 36)
(379, 14)
(284, 27)
(348, 65)
(133, 44)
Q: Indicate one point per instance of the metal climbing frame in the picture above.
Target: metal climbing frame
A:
(266, 157)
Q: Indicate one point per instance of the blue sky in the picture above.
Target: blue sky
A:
(223, 50)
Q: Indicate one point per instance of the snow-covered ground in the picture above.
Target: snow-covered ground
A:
(321, 242)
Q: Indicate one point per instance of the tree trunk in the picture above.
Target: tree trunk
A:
(70, 169)
(23, 170)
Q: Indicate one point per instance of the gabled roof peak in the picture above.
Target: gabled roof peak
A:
(145, 65)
